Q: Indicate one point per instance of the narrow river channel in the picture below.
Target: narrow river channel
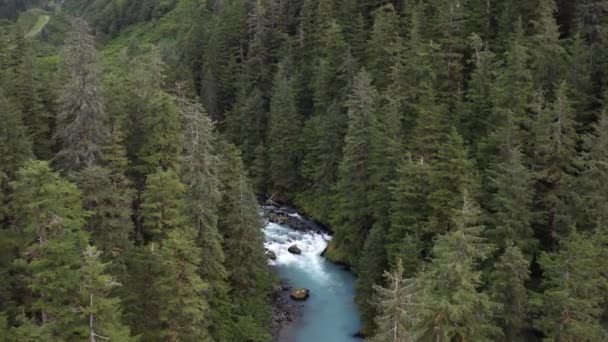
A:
(330, 314)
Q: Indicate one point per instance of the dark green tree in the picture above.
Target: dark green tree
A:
(508, 288)
(452, 173)
(67, 282)
(81, 128)
(162, 209)
(239, 224)
(512, 203)
(395, 304)
(408, 215)
(283, 133)
(554, 161)
(573, 289)
(353, 216)
(452, 305)
(200, 167)
(15, 145)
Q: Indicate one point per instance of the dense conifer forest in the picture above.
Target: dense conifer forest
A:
(457, 148)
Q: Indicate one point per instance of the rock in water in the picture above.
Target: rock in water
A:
(294, 249)
(300, 294)
(271, 255)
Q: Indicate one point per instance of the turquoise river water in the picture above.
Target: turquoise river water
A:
(330, 314)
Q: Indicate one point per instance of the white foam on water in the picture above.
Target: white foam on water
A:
(279, 238)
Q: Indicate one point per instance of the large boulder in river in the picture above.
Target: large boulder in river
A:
(294, 249)
(271, 255)
(300, 294)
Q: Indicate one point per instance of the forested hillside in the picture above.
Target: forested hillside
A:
(125, 215)
(457, 148)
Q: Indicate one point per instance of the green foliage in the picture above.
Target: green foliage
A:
(511, 203)
(571, 303)
(395, 303)
(15, 146)
(508, 288)
(108, 201)
(162, 208)
(81, 120)
(249, 277)
(66, 281)
(452, 305)
(352, 217)
(283, 137)
(460, 95)
(409, 211)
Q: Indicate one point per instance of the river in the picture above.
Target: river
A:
(330, 314)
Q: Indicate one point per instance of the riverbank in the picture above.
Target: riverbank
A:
(285, 312)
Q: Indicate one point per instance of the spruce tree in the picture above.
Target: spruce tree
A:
(548, 56)
(283, 137)
(102, 311)
(240, 226)
(26, 92)
(573, 289)
(395, 304)
(163, 205)
(15, 145)
(109, 204)
(353, 216)
(61, 279)
(452, 305)
(81, 127)
(554, 161)
(511, 203)
(163, 137)
(452, 173)
(590, 192)
(382, 43)
(200, 167)
(409, 211)
(179, 288)
(369, 267)
(508, 288)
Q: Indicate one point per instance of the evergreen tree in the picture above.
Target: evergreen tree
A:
(26, 94)
(409, 211)
(589, 191)
(283, 137)
(103, 312)
(382, 44)
(508, 288)
(239, 224)
(163, 205)
(512, 203)
(554, 161)
(15, 145)
(109, 205)
(200, 167)
(480, 93)
(573, 290)
(452, 173)
(395, 302)
(179, 289)
(163, 140)
(549, 56)
(352, 217)
(60, 279)
(370, 266)
(452, 306)
(81, 122)
(430, 128)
